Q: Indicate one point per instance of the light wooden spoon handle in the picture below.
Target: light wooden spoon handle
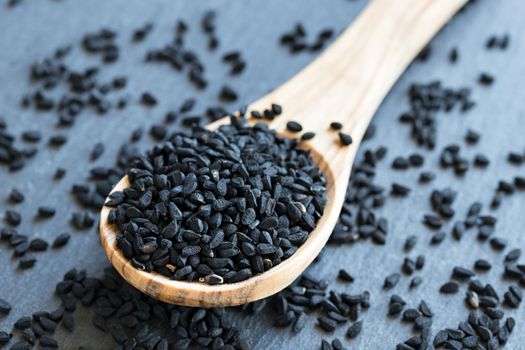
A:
(348, 82)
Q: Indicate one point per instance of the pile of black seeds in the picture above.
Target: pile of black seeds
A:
(218, 206)
(136, 321)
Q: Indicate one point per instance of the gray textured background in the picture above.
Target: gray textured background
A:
(33, 29)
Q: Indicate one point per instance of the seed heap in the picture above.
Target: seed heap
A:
(218, 205)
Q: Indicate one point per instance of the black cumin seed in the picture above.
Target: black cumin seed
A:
(294, 126)
(5, 307)
(57, 140)
(337, 344)
(420, 262)
(327, 324)
(481, 161)
(432, 221)
(399, 190)
(16, 196)
(141, 33)
(416, 160)
(48, 342)
(23, 323)
(513, 255)
(38, 245)
(354, 330)
(325, 345)
(485, 79)
(12, 217)
(449, 288)
(453, 55)
(276, 109)
(231, 56)
(336, 126)
(424, 55)
(498, 243)
(426, 177)
(61, 240)
(400, 163)
(148, 100)
(227, 94)
(462, 273)
(391, 281)
(307, 136)
(472, 137)
(515, 158)
(415, 282)
(31, 136)
(410, 243)
(97, 151)
(4, 337)
(345, 276)
(59, 173)
(46, 212)
(482, 265)
(26, 262)
(158, 132)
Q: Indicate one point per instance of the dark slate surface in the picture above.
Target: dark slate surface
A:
(33, 29)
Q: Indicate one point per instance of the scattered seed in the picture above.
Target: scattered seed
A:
(449, 288)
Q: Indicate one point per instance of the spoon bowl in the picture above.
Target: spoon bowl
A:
(345, 84)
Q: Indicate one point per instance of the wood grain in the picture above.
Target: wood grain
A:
(347, 84)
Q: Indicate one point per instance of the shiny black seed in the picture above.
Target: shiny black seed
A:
(97, 151)
(391, 281)
(345, 139)
(307, 136)
(513, 255)
(461, 273)
(23, 323)
(400, 163)
(5, 307)
(415, 282)
(399, 190)
(16, 196)
(345, 276)
(227, 94)
(482, 265)
(485, 79)
(12, 217)
(147, 99)
(46, 212)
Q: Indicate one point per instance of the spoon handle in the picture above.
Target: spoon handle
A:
(349, 80)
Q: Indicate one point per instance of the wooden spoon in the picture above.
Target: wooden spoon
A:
(346, 83)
